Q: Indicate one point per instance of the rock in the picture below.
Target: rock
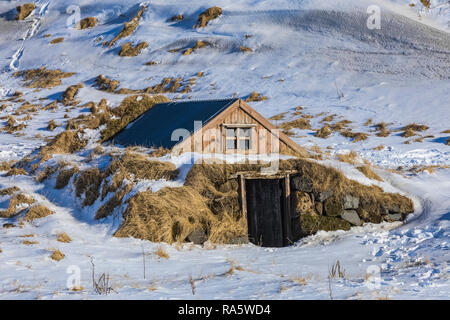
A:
(197, 236)
(304, 203)
(351, 202)
(395, 216)
(302, 184)
(333, 207)
(352, 217)
(319, 208)
(325, 195)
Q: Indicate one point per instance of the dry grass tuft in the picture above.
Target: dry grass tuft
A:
(160, 152)
(105, 84)
(63, 237)
(412, 129)
(162, 253)
(208, 15)
(24, 11)
(9, 191)
(57, 40)
(88, 183)
(37, 212)
(63, 143)
(178, 17)
(278, 116)
(88, 22)
(64, 176)
(107, 209)
(198, 45)
(57, 255)
(340, 125)
(16, 172)
(300, 123)
(29, 242)
(356, 136)
(6, 165)
(350, 157)
(368, 172)
(426, 3)
(129, 27)
(127, 49)
(16, 203)
(70, 93)
(255, 97)
(382, 130)
(245, 49)
(51, 125)
(43, 78)
(323, 132)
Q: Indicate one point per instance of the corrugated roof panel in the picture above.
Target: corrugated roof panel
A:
(155, 127)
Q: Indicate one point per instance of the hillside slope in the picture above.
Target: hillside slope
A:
(317, 55)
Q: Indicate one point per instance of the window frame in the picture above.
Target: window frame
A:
(237, 137)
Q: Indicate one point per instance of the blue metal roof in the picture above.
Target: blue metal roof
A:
(155, 127)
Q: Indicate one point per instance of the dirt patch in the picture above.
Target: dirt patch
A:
(129, 110)
(129, 27)
(206, 16)
(43, 78)
(88, 22)
(24, 11)
(37, 212)
(128, 50)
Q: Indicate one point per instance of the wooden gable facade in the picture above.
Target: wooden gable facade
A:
(239, 129)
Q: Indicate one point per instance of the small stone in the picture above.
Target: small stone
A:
(302, 184)
(352, 217)
(304, 204)
(351, 202)
(325, 195)
(395, 216)
(197, 236)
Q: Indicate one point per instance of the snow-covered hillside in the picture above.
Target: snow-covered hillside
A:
(320, 55)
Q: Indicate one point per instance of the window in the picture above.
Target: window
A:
(238, 138)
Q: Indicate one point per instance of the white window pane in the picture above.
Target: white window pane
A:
(245, 132)
(231, 132)
(244, 144)
(231, 144)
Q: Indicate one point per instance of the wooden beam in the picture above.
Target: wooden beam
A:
(243, 195)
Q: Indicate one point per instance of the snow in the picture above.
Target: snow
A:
(304, 52)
